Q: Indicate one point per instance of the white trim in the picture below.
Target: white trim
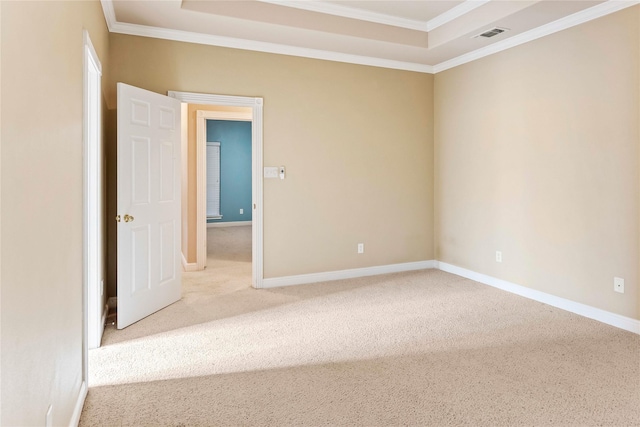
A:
(228, 224)
(609, 318)
(205, 98)
(92, 185)
(225, 115)
(613, 319)
(352, 13)
(188, 266)
(256, 104)
(454, 13)
(212, 40)
(578, 18)
(346, 274)
(77, 410)
(382, 18)
(109, 13)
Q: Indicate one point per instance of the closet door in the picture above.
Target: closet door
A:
(213, 180)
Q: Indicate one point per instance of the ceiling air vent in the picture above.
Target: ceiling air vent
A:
(492, 32)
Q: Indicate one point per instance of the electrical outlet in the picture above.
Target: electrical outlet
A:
(241, 211)
(618, 284)
(48, 419)
(360, 248)
(498, 256)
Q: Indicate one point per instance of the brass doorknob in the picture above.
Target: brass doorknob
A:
(117, 218)
(128, 218)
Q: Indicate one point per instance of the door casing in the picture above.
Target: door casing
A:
(94, 312)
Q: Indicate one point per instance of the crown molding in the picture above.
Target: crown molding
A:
(212, 40)
(578, 18)
(109, 13)
(350, 12)
(454, 13)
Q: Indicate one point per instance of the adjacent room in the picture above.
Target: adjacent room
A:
(320, 212)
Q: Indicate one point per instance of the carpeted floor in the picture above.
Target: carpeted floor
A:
(416, 348)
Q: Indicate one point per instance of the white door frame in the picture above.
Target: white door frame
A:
(256, 176)
(93, 316)
(201, 172)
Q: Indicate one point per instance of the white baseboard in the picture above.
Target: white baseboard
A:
(189, 266)
(301, 279)
(77, 410)
(613, 319)
(228, 224)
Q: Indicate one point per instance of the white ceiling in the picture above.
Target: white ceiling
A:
(418, 35)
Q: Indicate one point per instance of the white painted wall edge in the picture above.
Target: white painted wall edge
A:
(112, 302)
(77, 410)
(345, 274)
(613, 319)
(228, 224)
(188, 266)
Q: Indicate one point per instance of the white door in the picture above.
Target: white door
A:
(149, 274)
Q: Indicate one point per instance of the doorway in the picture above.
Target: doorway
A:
(251, 109)
(229, 212)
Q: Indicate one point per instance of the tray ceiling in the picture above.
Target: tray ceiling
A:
(419, 35)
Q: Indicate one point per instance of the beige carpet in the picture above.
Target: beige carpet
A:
(417, 348)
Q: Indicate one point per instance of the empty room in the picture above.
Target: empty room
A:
(438, 222)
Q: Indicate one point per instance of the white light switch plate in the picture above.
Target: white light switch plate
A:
(271, 172)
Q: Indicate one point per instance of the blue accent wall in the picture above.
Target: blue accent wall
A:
(235, 167)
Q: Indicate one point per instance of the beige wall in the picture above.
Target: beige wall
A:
(536, 153)
(42, 204)
(356, 141)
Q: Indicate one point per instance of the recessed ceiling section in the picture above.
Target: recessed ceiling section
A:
(263, 35)
(277, 14)
(417, 35)
(528, 19)
(415, 10)
(476, 19)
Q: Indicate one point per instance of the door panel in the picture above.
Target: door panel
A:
(149, 274)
